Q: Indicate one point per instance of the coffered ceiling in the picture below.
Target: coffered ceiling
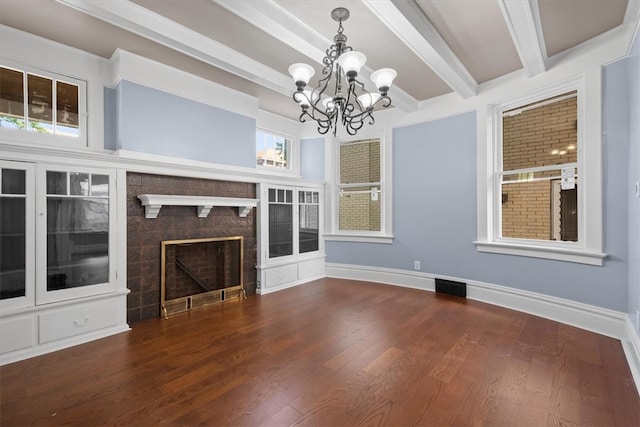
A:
(437, 46)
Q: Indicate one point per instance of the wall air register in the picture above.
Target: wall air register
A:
(451, 287)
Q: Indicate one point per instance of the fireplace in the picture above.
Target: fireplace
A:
(145, 235)
(199, 272)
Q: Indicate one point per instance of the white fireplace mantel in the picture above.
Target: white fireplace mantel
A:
(153, 202)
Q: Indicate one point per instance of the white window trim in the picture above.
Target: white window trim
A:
(332, 171)
(294, 154)
(589, 248)
(55, 140)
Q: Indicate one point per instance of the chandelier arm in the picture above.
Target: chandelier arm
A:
(344, 105)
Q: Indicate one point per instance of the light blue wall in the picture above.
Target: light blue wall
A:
(312, 159)
(156, 122)
(434, 213)
(110, 119)
(633, 74)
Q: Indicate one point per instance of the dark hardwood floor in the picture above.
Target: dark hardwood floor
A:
(329, 353)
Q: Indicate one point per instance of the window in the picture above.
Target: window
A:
(543, 191)
(539, 170)
(273, 151)
(359, 187)
(41, 103)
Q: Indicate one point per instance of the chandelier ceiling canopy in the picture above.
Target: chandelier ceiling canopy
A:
(339, 95)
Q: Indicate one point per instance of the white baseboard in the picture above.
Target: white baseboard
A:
(611, 323)
(631, 346)
(600, 320)
(265, 291)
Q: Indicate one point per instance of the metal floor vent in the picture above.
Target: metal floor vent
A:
(451, 287)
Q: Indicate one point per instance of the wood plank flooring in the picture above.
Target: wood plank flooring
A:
(329, 353)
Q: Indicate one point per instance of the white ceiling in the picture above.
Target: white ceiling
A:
(437, 46)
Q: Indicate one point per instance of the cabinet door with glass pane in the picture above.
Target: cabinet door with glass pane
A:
(76, 231)
(308, 221)
(281, 223)
(17, 227)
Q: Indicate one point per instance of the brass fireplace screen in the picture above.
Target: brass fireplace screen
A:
(199, 272)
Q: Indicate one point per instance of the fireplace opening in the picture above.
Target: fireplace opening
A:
(200, 272)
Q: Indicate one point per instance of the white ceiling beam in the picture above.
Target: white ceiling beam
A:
(407, 21)
(523, 20)
(136, 19)
(275, 20)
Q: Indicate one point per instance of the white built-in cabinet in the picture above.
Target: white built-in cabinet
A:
(290, 244)
(58, 258)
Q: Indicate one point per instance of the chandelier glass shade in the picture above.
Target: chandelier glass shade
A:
(339, 96)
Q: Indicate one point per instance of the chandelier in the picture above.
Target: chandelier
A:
(339, 95)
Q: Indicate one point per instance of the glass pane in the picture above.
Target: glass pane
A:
(308, 231)
(289, 196)
(280, 196)
(11, 98)
(67, 109)
(12, 247)
(272, 150)
(99, 185)
(77, 242)
(40, 92)
(315, 198)
(541, 135)
(79, 184)
(360, 162)
(272, 195)
(56, 182)
(13, 181)
(540, 209)
(301, 197)
(280, 230)
(359, 209)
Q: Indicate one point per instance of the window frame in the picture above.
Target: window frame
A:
(292, 166)
(385, 235)
(588, 248)
(54, 140)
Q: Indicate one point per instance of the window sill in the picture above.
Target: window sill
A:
(359, 238)
(558, 254)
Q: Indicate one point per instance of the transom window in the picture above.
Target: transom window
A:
(41, 103)
(273, 151)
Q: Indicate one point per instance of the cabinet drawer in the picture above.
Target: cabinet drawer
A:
(311, 268)
(77, 320)
(281, 275)
(16, 334)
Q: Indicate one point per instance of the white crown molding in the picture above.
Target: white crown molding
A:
(274, 19)
(138, 20)
(523, 21)
(137, 69)
(131, 161)
(632, 22)
(602, 50)
(591, 318)
(407, 21)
